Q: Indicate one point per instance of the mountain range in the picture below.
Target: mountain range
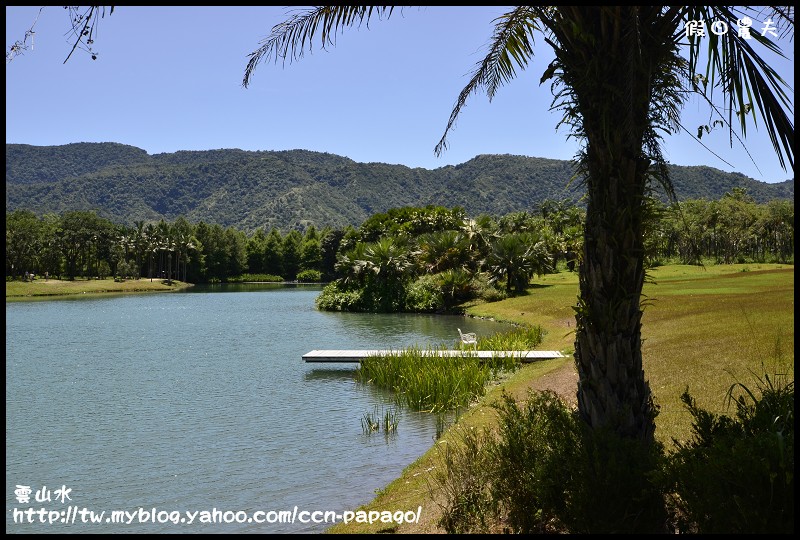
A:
(297, 188)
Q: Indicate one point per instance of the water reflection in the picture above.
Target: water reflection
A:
(330, 374)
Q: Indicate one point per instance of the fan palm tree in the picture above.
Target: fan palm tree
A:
(382, 268)
(443, 250)
(620, 79)
(516, 258)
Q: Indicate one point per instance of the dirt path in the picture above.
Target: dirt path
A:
(563, 381)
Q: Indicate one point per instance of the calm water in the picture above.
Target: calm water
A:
(198, 401)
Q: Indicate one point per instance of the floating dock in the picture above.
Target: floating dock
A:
(357, 355)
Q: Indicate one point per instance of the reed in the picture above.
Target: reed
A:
(372, 421)
(369, 423)
(390, 421)
(424, 381)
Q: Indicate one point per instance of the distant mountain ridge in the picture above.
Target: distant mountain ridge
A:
(296, 188)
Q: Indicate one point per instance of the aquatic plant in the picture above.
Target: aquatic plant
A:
(371, 420)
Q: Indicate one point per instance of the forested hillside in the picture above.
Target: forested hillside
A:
(297, 188)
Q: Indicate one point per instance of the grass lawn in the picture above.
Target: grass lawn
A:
(24, 290)
(703, 328)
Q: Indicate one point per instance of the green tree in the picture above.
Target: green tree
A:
(443, 250)
(383, 267)
(311, 250)
(273, 253)
(516, 258)
(235, 243)
(291, 254)
(778, 229)
(620, 79)
(255, 251)
(50, 254)
(330, 248)
(81, 235)
(211, 238)
(479, 233)
(185, 246)
(23, 242)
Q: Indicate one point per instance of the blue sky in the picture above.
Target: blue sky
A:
(169, 79)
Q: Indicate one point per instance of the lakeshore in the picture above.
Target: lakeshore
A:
(41, 287)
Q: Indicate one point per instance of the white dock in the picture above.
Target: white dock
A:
(357, 355)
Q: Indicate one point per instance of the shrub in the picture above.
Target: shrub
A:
(736, 475)
(546, 471)
(335, 297)
(455, 286)
(534, 457)
(616, 487)
(464, 476)
(486, 290)
(269, 278)
(309, 276)
(103, 270)
(424, 295)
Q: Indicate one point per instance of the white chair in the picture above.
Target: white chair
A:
(468, 339)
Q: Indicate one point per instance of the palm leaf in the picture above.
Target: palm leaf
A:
(289, 39)
(511, 47)
(747, 80)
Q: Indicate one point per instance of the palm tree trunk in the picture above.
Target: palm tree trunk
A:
(612, 391)
(615, 99)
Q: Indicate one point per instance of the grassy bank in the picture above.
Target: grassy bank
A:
(25, 290)
(703, 328)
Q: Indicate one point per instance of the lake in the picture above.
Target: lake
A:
(197, 402)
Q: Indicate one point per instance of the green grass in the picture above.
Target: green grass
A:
(22, 290)
(427, 382)
(372, 422)
(740, 325)
(703, 327)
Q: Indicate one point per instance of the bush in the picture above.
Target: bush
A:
(309, 276)
(103, 270)
(548, 472)
(465, 476)
(736, 475)
(335, 297)
(616, 487)
(424, 295)
(455, 286)
(534, 457)
(486, 290)
(126, 270)
(269, 278)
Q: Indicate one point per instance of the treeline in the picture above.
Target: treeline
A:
(406, 259)
(82, 244)
(733, 229)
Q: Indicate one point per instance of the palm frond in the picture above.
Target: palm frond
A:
(511, 46)
(288, 40)
(747, 80)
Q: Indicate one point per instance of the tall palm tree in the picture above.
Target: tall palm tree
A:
(620, 79)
